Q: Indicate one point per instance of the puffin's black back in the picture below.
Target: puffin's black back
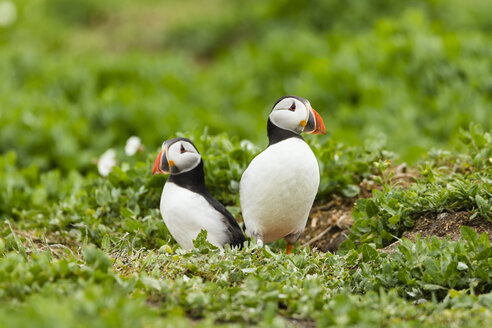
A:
(194, 180)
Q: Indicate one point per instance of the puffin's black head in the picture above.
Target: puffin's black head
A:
(295, 114)
(178, 155)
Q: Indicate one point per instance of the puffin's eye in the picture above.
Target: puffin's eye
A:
(293, 107)
(182, 150)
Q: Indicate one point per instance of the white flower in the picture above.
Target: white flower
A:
(8, 13)
(133, 144)
(248, 145)
(106, 162)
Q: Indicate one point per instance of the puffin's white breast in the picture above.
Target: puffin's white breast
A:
(186, 213)
(278, 188)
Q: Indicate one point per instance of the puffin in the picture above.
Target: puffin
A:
(277, 190)
(186, 205)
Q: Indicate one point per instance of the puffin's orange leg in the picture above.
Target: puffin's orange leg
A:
(289, 248)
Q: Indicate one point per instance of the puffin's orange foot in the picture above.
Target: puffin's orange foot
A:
(289, 248)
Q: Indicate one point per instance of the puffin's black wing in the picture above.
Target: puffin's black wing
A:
(236, 236)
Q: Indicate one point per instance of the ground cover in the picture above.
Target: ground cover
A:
(400, 232)
(104, 248)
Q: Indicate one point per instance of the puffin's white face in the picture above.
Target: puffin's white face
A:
(290, 114)
(177, 156)
(298, 116)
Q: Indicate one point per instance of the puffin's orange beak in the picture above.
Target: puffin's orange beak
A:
(157, 163)
(315, 123)
(161, 166)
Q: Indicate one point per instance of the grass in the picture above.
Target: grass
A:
(148, 287)
(97, 248)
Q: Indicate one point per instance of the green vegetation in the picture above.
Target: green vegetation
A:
(394, 81)
(93, 289)
(449, 183)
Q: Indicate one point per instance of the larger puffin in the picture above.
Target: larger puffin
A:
(187, 206)
(278, 188)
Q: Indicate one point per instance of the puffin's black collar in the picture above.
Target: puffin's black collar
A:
(192, 180)
(276, 134)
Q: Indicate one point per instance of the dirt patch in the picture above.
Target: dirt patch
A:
(444, 225)
(328, 225)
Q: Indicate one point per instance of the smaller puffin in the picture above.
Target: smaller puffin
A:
(278, 188)
(187, 206)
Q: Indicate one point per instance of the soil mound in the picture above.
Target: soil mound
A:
(443, 225)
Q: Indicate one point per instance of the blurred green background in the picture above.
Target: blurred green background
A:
(78, 77)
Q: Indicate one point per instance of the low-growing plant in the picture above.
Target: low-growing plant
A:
(252, 285)
(78, 249)
(465, 186)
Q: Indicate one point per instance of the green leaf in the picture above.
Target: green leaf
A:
(432, 287)
(351, 257)
(484, 254)
(201, 242)
(345, 247)
(96, 259)
(126, 212)
(156, 181)
(351, 191)
(469, 235)
(369, 253)
(395, 219)
(371, 208)
(103, 196)
(132, 225)
(119, 178)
